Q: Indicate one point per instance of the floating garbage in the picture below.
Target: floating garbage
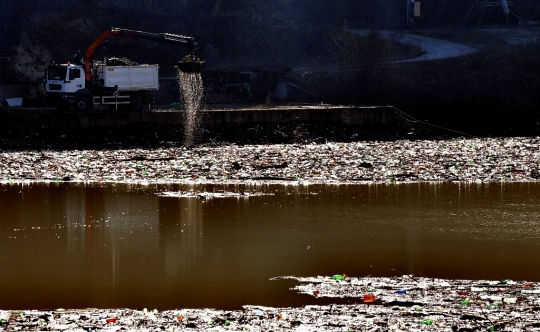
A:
(438, 309)
(339, 277)
(204, 195)
(402, 161)
(407, 301)
(369, 298)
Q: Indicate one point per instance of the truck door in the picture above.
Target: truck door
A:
(75, 79)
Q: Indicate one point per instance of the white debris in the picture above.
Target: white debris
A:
(14, 102)
(403, 161)
(204, 195)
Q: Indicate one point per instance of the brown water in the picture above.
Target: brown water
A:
(107, 246)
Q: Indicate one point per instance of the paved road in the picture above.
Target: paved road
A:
(434, 49)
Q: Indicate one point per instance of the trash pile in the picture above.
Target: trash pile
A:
(404, 161)
(114, 61)
(384, 304)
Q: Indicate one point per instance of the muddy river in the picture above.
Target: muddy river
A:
(114, 245)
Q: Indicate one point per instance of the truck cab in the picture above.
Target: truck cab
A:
(63, 82)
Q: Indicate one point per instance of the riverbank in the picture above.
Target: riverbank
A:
(396, 304)
(401, 161)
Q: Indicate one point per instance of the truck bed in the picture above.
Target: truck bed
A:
(129, 78)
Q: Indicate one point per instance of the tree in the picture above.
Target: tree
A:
(322, 12)
(228, 25)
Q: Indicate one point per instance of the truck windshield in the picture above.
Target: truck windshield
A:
(56, 73)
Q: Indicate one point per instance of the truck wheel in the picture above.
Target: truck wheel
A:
(137, 103)
(82, 104)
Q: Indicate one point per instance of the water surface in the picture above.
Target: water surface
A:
(107, 246)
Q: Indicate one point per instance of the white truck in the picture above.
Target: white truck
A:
(117, 86)
(84, 85)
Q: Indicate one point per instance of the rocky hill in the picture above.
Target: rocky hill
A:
(230, 33)
(495, 87)
(35, 34)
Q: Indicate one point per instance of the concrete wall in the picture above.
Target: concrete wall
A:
(113, 119)
(346, 115)
(110, 119)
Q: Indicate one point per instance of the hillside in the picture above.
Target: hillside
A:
(242, 33)
(496, 87)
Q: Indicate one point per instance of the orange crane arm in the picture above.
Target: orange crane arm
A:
(92, 49)
(125, 33)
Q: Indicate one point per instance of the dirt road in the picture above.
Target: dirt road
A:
(434, 49)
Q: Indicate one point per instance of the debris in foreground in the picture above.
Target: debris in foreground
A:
(396, 304)
(407, 302)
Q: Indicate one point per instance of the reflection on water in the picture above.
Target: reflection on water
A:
(75, 245)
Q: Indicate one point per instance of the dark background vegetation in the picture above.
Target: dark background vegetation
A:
(495, 89)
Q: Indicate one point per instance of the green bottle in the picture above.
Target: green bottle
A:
(338, 277)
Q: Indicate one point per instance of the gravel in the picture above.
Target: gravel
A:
(402, 161)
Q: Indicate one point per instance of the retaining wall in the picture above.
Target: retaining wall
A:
(110, 119)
